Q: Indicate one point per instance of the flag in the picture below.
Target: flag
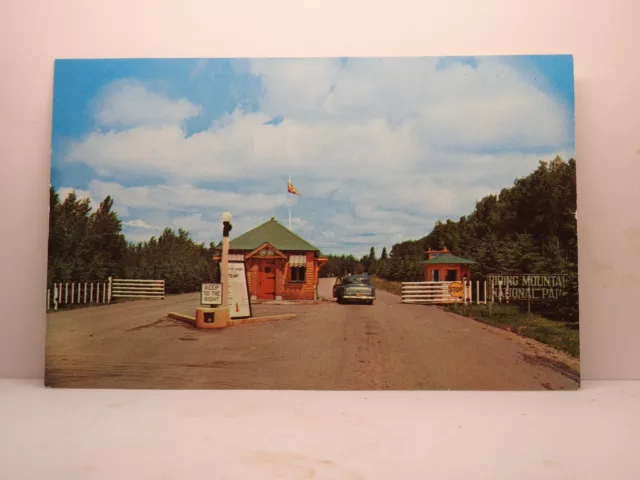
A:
(292, 189)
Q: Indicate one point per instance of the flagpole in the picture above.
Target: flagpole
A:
(289, 208)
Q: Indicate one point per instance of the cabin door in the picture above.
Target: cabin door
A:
(267, 283)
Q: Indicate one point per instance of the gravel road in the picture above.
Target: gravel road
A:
(388, 345)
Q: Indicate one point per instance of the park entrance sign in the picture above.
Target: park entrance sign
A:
(528, 287)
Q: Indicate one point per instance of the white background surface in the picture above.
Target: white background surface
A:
(84, 434)
(98, 434)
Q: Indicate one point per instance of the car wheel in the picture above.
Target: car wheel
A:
(339, 300)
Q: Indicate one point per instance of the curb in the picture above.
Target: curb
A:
(234, 323)
(185, 318)
(269, 318)
(291, 302)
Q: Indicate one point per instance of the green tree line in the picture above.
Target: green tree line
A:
(529, 227)
(88, 246)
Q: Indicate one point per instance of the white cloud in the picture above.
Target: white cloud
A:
(353, 132)
(181, 198)
(296, 88)
(299, 224)
(139, 224)
(245, 146)
(397, 142)
(63, 193)
(129, 103)
(486, 106)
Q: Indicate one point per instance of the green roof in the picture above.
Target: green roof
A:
(447, 258)
(276, 234)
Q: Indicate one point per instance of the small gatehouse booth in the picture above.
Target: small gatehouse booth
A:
(280, 264)
(442, 266)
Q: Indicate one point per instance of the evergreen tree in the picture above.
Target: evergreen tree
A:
(527, 228)
(55, 235)
(106, 245)
(372, 262)
(69, 232)
(89, 247)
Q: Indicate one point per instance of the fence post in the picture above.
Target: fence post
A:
(72, 292)
(48, 299)
(485, 292)
(492, 298)
(85, 293)
(109, 291)
(55, 297)
(104, 292)
(91, 295)
(66, 292)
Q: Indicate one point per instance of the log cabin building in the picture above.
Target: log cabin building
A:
(442, 266)
(280, 264)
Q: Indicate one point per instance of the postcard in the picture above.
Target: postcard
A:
(399, 223)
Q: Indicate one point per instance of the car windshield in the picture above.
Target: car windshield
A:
(356, 281)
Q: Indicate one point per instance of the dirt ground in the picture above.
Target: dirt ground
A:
(388, 345)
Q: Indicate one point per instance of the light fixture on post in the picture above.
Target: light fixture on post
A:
(224, 270)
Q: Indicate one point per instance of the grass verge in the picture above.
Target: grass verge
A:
(386, 285)
(564, 336)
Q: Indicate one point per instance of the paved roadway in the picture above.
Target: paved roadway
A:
(389, 345)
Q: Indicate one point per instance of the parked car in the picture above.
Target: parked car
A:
(356, 288)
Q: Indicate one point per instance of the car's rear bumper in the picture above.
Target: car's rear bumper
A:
(358, 297)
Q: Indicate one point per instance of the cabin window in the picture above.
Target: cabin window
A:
(298, 274)
(452, 275)
(435, 275)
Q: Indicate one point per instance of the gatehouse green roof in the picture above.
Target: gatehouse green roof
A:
(274, 233)
(448, 259)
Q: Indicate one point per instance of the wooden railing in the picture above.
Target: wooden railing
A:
(99, 293)
(123, 288)
(438, 292)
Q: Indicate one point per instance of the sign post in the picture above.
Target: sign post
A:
(211, 294)
(456, 290)
(491, 302)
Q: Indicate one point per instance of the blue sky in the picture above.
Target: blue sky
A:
(381, 148)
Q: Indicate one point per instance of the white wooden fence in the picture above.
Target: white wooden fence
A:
(438, 292)
(78, 293)
(99, 293)
(123, 288)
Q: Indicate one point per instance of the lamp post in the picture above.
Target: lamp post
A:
(224, 271)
